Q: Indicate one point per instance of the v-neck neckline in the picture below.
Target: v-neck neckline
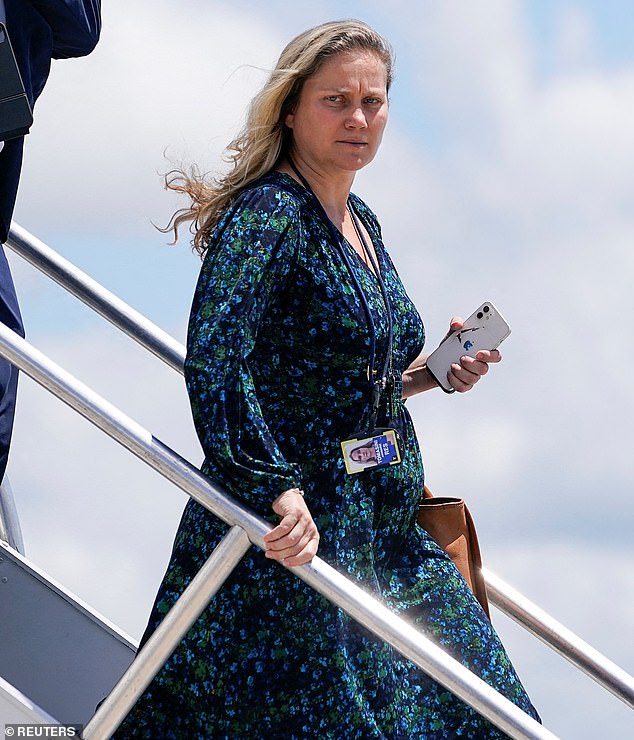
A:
(358, 258)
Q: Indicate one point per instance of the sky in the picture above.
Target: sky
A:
(506, 174)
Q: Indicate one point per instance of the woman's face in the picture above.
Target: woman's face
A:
(363, 454)
(342, 110)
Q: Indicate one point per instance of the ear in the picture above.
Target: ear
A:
(290, 117)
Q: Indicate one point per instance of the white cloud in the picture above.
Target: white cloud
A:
(575, 44)
(476, 61)
(161, 79)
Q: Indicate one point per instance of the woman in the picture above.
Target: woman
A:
(301, 336)
(364, 454)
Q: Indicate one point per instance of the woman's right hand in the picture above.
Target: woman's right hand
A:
(295, 539)
(465, 374)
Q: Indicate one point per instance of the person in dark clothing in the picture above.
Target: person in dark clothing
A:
(39, 30)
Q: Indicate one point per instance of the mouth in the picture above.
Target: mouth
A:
(350, 142)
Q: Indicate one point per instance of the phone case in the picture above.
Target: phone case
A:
(484, 329)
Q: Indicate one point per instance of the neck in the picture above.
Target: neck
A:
(332, 191)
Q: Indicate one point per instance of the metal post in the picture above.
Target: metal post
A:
(10, 530)
(560, 638)
(167, 636)
(81, 285)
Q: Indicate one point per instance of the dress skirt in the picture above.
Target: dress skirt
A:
(277, 374)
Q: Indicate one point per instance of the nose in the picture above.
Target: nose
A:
(357, 118)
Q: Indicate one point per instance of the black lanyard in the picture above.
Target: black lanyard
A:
(379, 384)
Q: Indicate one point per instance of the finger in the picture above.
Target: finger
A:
(458, 385)
(307, 554)
(295, 538)
(299, 555)
(285, 529)
(493, 355)
(283, 549)
(455, 324)
(473, 366)
(281, 538)
(461, 380)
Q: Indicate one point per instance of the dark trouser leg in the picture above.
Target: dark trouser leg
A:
(10, 316)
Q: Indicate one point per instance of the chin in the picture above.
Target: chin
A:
(356, 164)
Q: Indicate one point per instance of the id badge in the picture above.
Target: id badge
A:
(376, 451)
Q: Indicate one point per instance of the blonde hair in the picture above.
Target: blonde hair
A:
(265, 139)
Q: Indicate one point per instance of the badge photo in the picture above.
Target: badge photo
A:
(379, 450)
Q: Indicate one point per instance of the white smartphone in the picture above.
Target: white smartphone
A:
(484, 329)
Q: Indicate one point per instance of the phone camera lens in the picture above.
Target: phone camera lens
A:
(480, 314)
(486, 309)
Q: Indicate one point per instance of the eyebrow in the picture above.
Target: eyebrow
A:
(343, 90)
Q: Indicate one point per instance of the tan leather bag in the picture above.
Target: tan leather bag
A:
(449, 522)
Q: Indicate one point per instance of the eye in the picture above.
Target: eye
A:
(334, 98)
(373, 101)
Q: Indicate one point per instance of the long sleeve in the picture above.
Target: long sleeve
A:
(40, 30)
(245, 268)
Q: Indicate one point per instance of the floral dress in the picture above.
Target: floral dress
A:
(277, 376)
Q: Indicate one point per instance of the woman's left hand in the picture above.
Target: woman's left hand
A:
(463, 376)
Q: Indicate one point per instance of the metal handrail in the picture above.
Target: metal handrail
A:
(93, 294)
(318, 574)
(504, 597)
(558, 637)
